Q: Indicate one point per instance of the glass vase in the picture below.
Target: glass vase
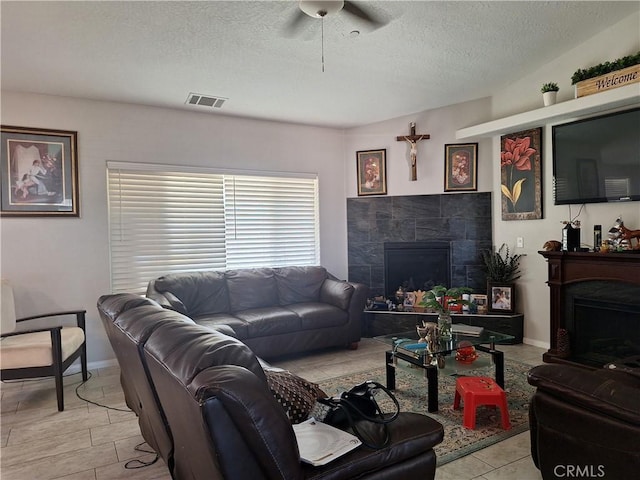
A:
(444, 326)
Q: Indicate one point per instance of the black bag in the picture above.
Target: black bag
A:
(358, 405)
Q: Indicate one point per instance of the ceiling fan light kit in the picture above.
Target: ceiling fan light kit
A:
(320, 8)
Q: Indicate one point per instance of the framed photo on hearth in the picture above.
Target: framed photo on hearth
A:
(372, 172)
(502, 298)
(460, 167)
(480, 301)
(39, 173)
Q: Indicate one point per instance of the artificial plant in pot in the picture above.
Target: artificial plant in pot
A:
(549, 92)
(501, 267)
(442, 300)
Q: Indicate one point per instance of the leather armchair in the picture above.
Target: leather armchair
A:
(585, 423)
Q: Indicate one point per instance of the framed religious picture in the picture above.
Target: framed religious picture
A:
(372, 172)
(502, 298)
(460, 167)
(39, 173)
(521, 175)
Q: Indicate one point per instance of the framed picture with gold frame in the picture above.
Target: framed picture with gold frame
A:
(38, 173)
(372, 172)
(521, 175)
(460, 167)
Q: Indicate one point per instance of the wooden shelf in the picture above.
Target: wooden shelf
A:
(626, 96)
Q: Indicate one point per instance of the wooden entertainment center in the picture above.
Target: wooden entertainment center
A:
(569, 268)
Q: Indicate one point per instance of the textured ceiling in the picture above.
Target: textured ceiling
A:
(430, 54)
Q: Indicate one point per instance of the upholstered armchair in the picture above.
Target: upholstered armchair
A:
(40, 352)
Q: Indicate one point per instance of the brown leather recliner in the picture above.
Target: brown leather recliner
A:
(221, 418)
(585, 423)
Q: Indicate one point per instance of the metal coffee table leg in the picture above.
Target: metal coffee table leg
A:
(391, 371)
(431, 372)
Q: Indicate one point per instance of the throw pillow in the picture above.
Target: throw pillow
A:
(296, 395)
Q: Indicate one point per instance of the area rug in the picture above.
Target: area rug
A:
(411, 392)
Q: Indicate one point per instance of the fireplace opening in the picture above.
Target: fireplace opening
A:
(604, 332)
(603, 320)
(416, 265)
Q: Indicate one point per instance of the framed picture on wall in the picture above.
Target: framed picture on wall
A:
(502, 298)
(521, 175)
(372, 172)
(460, 167)
(39, 173)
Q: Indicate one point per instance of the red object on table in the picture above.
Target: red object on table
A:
(477, 391)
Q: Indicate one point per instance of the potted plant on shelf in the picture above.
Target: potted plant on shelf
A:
(502, 270)
(443, 301)
(549, 92)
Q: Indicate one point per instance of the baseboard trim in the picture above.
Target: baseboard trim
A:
(75, 367)
(536, 343)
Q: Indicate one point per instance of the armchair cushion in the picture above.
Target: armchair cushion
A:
(299, 284)
(336, 293)
(204, 293)
(251, 288)
(35, 349)
(599, 391)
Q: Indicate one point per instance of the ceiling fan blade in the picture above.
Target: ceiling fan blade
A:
(296, 24)
(356, 11)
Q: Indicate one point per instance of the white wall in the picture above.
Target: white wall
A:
(620, 40)
(441, 125)
(63, 263)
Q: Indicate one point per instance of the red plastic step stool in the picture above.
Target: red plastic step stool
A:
(476, 391)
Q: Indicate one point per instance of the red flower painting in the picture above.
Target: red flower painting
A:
(516, 156)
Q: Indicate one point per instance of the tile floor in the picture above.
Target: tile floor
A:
(90, 442)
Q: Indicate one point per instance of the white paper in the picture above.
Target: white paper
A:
(320, 443)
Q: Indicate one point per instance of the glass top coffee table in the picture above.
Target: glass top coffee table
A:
(405, 346)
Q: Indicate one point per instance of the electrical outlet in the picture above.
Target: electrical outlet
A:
(520, 242)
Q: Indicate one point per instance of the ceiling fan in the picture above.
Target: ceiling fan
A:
(324, 8)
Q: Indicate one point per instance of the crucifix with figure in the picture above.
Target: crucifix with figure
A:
(413, 140)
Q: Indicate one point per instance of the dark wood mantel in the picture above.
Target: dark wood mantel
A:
(565, 268)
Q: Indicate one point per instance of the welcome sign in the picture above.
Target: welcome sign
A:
(609, 81)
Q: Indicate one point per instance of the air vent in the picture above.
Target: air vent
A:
(205, 100)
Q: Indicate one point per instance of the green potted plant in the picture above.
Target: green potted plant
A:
(604, 68)
(441, 300)
(549, 92)
(502, 269)
(501, 266)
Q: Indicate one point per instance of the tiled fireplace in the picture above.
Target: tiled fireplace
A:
(457, 223)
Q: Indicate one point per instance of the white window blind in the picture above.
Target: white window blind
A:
(271, 221)
(164, 220)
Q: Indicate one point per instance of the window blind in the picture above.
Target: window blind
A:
(271, 221)
(166, 220)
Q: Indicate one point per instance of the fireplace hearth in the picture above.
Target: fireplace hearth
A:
(596, 298)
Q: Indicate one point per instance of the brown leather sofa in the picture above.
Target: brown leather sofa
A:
(204, 404)
(274, 311)
(585, 423)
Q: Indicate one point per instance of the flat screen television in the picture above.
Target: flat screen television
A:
(597, 159)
